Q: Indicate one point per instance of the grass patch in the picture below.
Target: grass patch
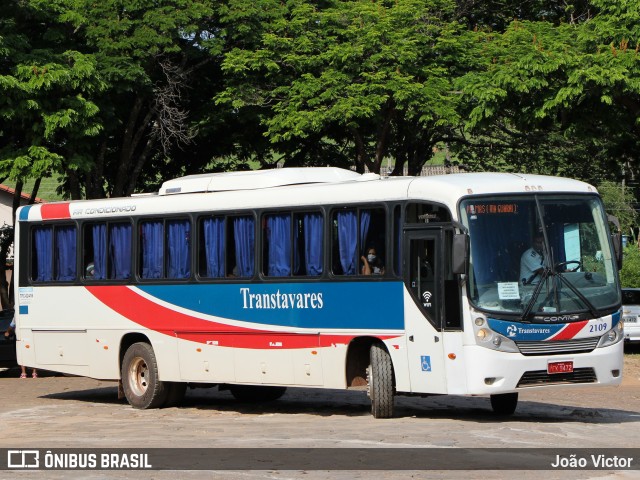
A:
(47, 190)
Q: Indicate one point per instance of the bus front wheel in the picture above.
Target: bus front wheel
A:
(140, 381)
(380, 382)
(504, 403)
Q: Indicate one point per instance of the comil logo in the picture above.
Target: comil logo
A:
(23, 459)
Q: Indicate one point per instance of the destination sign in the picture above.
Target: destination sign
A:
(492, 209)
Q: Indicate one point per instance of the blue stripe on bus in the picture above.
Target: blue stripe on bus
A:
(24, 213)
(343, 305)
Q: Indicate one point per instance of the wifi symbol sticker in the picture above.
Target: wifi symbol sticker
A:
(427, 299)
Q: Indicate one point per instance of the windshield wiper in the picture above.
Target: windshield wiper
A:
(534, 296)
(548, 272)
(592, 309)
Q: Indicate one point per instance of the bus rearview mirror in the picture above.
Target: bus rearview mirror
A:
(616, 239)
(459, 253)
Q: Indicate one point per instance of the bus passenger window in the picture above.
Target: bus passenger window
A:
(277, 245)
(54, 253)
(151, 249)
(308, 244)
(42, 251)
(212, 247)
(240, 247)
(354, 233)
(178, 249)
(65, 262)
(94, 251)
(120, 251)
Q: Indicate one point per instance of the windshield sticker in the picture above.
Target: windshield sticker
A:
(508, 291)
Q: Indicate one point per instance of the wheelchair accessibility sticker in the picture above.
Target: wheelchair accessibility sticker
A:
(425, 360)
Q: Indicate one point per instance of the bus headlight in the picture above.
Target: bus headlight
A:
(613, 336)
(485, 337)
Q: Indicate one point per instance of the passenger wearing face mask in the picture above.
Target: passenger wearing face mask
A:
(371, 263)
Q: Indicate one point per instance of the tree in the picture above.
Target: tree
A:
(630, 273)
(558, 98)
(618, 201)
(346, 81)
(149, 55)
(45, 106)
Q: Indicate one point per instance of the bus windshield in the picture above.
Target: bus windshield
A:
(539, 256)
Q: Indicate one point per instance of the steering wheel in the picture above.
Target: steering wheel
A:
(564, 264)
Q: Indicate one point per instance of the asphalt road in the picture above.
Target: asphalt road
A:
(54, 412)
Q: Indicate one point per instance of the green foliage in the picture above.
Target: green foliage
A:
(558, 97)
(630, 273)
(618, 201)
(373, 78)
(44, 90)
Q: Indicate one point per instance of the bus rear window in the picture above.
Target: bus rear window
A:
(53, 251)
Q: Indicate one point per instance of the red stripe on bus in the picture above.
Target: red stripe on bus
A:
(153, 316)
(55, 211)
(569, 331)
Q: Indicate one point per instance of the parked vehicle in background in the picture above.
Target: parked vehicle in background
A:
(7, 344)
(631, 314)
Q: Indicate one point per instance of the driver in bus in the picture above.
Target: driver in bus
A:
(532, 262)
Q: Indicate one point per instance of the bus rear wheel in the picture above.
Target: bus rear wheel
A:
(380, 382)
(140, 380)
(504, 403)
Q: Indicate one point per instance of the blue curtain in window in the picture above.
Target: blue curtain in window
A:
(313, 253)
(120, 251)
(214, 246)
(152, 249)
(100, 251)
(244, 233)
(365, 220)
(179, 257)
(65, 253)
(347, 241)
(279, 239)
(42, 239)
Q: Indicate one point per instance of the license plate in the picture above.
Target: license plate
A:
(630, 319)
(560, 367)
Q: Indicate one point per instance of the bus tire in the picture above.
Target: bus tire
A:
(504, 403)
(175, 393)
(256, 393)
(380, 382)
(140, 379)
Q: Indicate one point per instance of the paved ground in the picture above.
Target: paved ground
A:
(73, 412)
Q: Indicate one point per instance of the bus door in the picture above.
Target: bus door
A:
(423, 272)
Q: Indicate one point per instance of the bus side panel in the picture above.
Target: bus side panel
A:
(334, 360)
(425, 356)
(204, 362)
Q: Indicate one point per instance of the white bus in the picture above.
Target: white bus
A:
(255, 281)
